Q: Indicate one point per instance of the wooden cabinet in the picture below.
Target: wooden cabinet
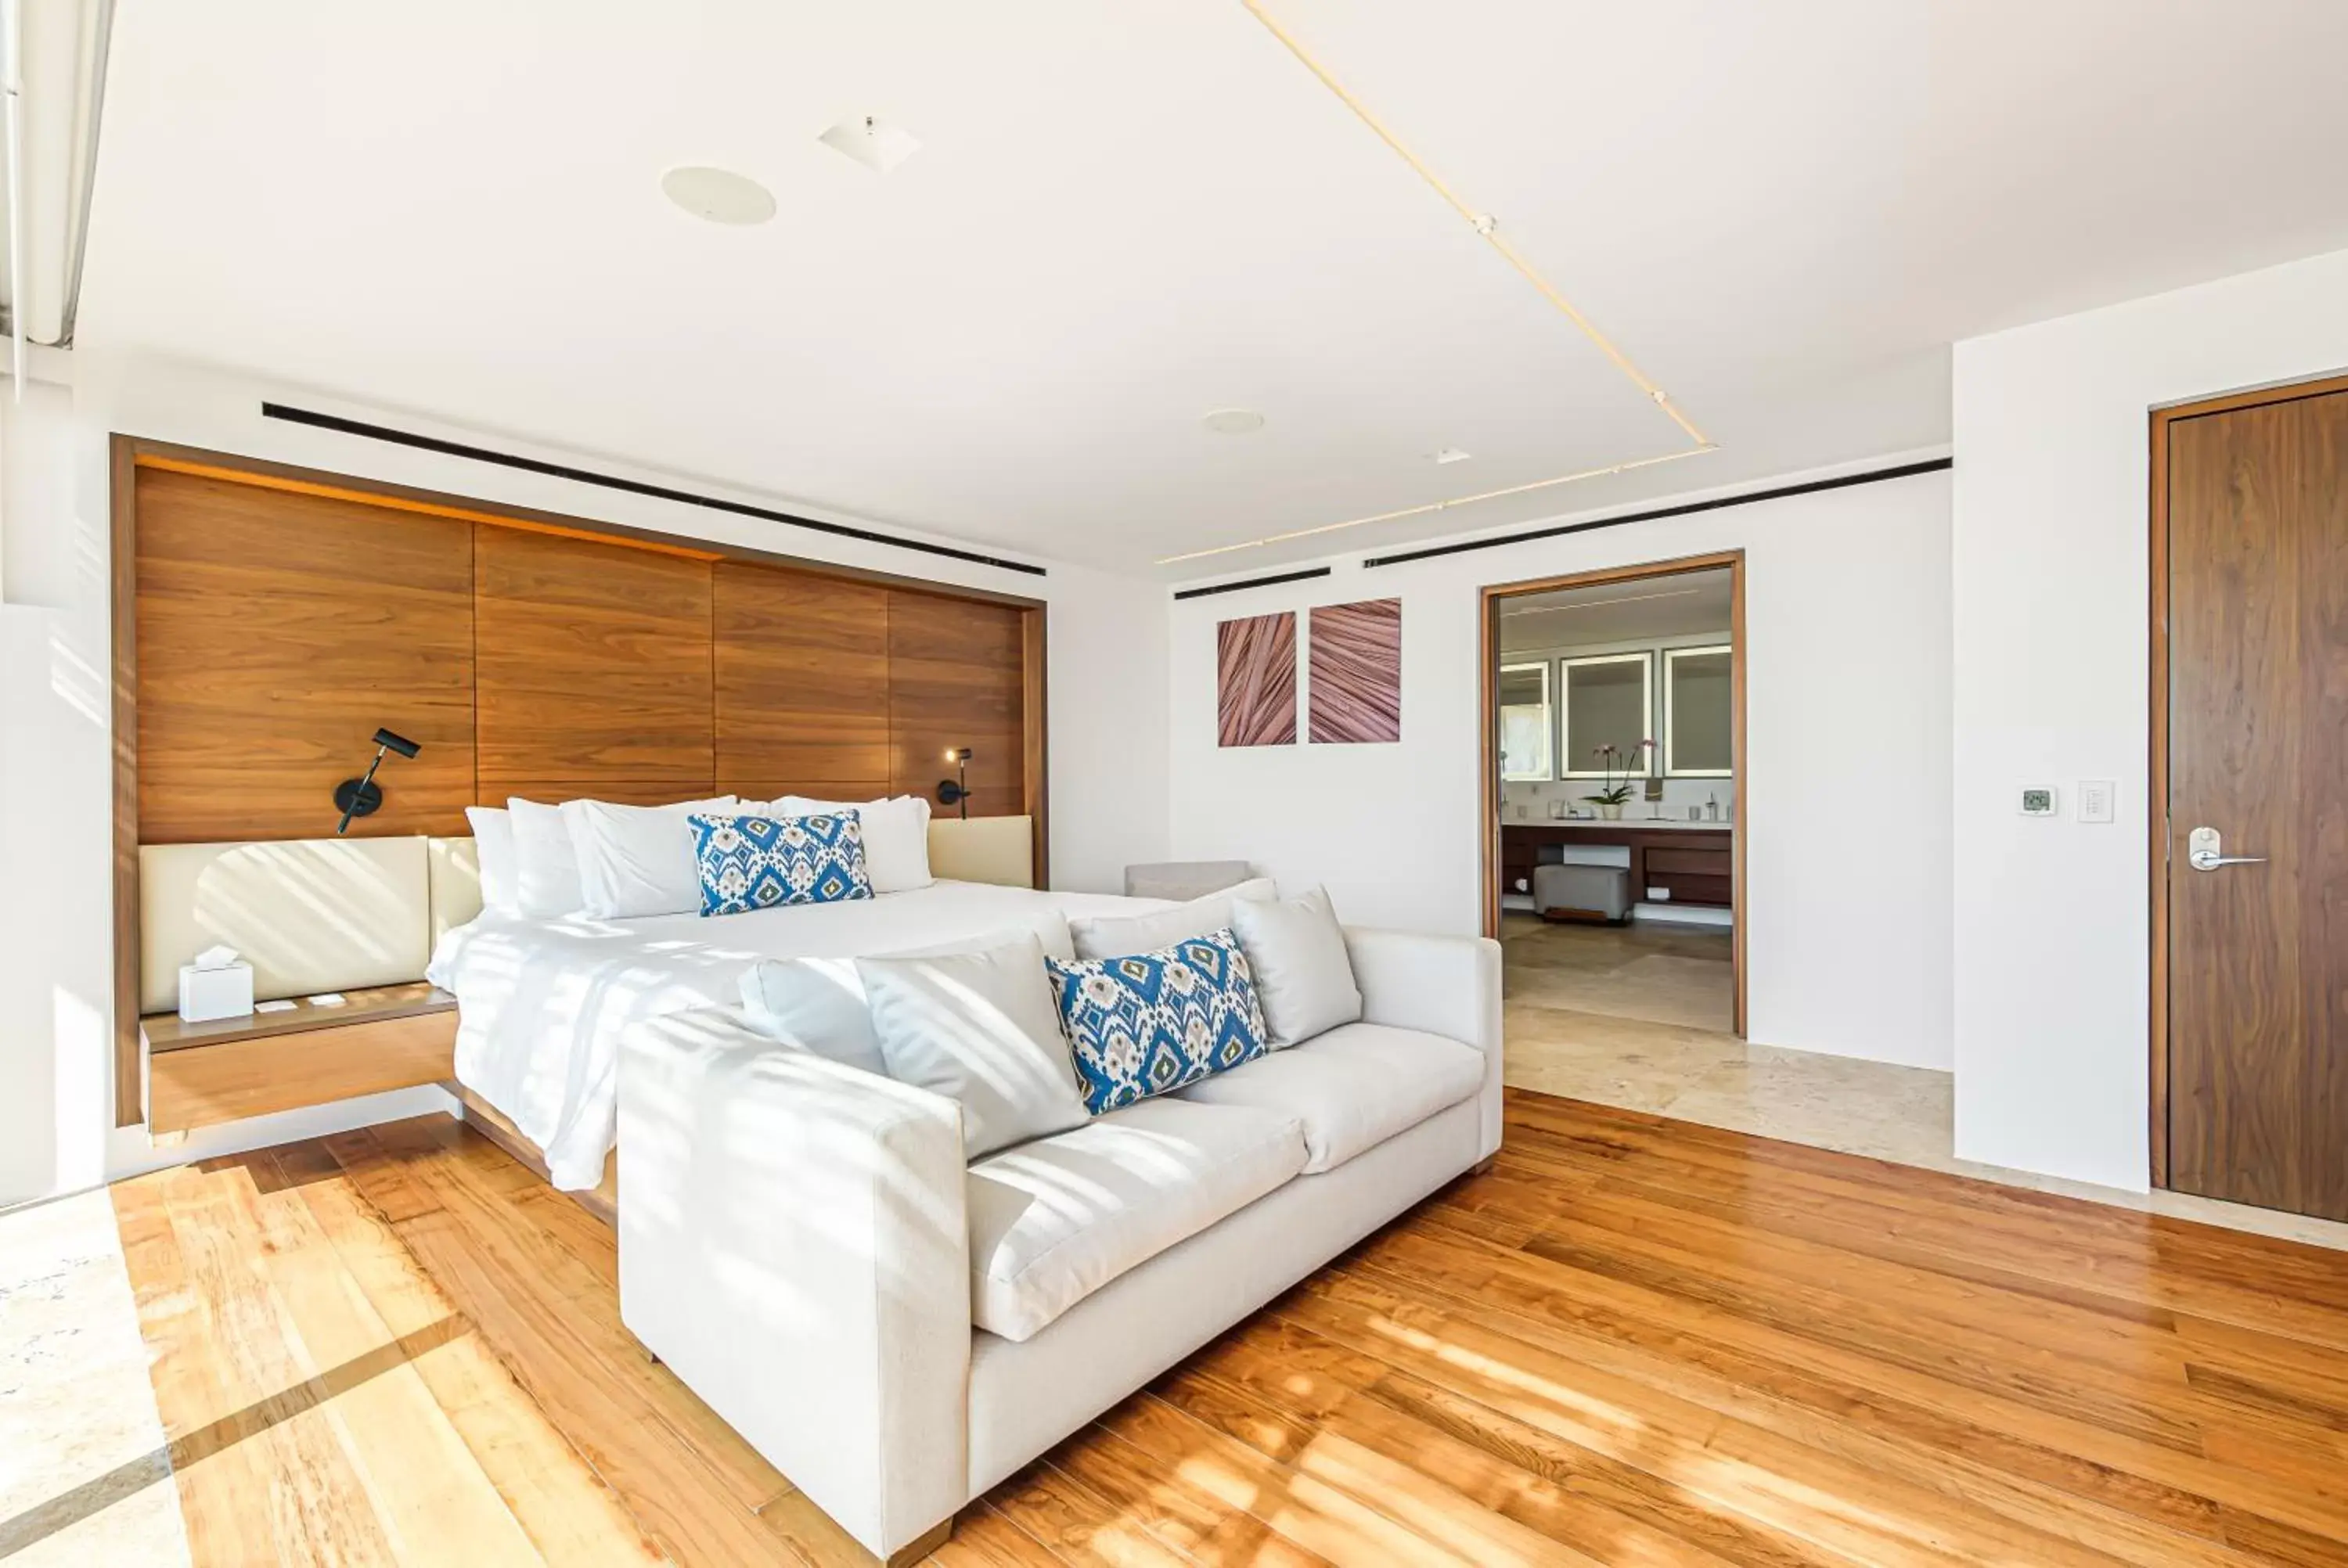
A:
(1692, 865)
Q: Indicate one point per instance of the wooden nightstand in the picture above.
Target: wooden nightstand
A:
(386, 1037)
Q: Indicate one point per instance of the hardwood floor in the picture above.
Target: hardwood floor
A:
(1632, 1341)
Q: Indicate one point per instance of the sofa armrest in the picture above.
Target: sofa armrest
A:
(793, 1246)
(1448, 986)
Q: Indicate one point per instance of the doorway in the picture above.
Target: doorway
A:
(1614, 842)
(2249, 815)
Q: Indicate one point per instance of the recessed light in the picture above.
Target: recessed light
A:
(1233, 422)
(871, 141)
(718, 194)
(1451, 455)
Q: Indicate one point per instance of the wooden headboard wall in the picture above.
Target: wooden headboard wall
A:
(267, 619)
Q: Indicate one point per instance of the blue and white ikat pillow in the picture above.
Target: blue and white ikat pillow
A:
(749, 863)
(1152, 1023)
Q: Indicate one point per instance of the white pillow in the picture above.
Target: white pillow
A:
(815, 1004)
(1304, 976)
(546, 870)
(493, 850)
(896, 836)
(820, 1006)
(1122, 936)
(981, 1029)
(637, 860)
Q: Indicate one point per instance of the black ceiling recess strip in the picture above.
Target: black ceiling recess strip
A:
(633, 487)
(1875, 475)
(1252, 582)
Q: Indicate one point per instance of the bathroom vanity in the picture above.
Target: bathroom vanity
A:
(1688, 862)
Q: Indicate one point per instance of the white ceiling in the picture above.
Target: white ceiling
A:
(1124, 216)
(1685, 604)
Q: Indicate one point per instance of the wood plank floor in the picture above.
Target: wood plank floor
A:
(1634, 1341)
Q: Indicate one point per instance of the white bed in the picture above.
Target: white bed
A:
(542, 1004)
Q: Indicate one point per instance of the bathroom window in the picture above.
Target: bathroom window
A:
(1698, 700)
(1608, 699)
(1526, 723)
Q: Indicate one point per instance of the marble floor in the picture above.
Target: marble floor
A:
(84, 1472)
(1638, 1017)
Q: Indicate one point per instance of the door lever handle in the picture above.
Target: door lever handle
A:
(2203, 848)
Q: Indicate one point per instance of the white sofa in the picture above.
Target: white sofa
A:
(802, 1243)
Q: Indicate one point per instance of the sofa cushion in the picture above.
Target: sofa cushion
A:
(1302, 975)
(1052, 1221)
(1117, 935)
(1352, 1088)
(1149, 1023)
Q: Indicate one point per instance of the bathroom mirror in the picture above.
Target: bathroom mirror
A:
(1698, 702)
(1525, 722)
(1607, 699)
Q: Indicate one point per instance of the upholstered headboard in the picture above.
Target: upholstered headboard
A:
(330, 914)
(997, 849)
(309, 914)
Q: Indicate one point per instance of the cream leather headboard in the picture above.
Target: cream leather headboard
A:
(455, 883)
(997, 849)
(310, 915)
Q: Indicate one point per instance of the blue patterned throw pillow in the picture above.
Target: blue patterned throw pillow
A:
(760, 862)
(1152, 1023)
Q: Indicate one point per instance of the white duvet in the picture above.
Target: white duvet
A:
(541, 1004)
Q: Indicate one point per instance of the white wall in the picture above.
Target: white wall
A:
(2052, 964)
(1107, 640)
(1845, 767)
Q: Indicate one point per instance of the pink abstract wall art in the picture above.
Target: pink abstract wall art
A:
(1356, 664)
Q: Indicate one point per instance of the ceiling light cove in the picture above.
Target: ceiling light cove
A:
(1487, 227)
(1233, 422)
(718, 194)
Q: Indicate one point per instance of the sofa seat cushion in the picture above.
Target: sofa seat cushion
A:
(1352, 1088)
(1052, 1221)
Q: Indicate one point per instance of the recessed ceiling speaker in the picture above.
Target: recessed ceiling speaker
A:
(718, 194)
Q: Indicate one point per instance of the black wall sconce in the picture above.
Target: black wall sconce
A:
(360, 797)
(955, 790)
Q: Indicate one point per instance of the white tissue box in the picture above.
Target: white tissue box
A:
(223, 992)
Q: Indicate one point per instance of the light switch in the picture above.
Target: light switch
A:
(2096, 800)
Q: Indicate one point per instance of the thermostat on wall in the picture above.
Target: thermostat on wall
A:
(2038, 800)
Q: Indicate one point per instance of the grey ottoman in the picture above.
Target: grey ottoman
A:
(1582, 893)
(1182, 880)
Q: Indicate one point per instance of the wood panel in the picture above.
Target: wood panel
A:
(2258, 745)
(592, 663)
(276, 633)
(1632, 1341)
(802, 684)
(956, 678)
(202, 1085)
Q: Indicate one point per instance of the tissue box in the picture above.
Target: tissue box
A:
(223, 992)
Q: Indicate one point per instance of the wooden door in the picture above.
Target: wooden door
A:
(2257, 945)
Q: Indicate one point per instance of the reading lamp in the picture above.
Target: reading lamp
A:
(360, 797)
(955, 790)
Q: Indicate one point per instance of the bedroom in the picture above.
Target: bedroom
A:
(754, 410)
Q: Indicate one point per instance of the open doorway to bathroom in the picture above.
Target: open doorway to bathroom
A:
(1614, 844)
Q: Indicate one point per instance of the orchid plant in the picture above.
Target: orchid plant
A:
(1632, 760)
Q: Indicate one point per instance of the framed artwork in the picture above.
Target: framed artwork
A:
(1255, 681)
(1356, 664)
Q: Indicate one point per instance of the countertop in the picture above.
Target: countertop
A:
(1667, 824)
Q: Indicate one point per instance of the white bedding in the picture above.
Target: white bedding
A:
(541, 1004)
